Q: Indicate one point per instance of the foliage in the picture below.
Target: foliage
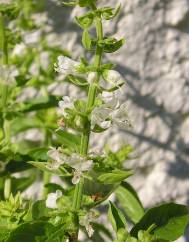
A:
(87, 177)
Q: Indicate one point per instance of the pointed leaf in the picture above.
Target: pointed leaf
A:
(170, 219)
(116, 218)
(86, 40)
(115, 176)
(130, 202)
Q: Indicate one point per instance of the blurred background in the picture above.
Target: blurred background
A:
(155, 65)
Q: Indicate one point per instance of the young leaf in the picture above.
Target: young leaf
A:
(70, 3)
(170, 219)
(86, 3)
(39, 153)
(115, 176)
(110, 13)
(70, 140)
(29, 231)
(111, 45)
(78, 81)
(86, 40)
(122, 235)
(20, 184)
(116, 218)
(86, 20)
(39, 210)
(130, 202)
(38, 104)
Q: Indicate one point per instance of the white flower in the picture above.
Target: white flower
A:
(32, 38)
(86, 222)
(19, 49)
(57, 157)
(120, 117)
(76, 161)
(80, 164)
(54, 154)
(66, 102)
(52, 198)
(66, 65)
(92, 76)
(99, 117)
(113, 79)
(8, 74)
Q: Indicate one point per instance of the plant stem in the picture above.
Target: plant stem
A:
(3, 41)
(4, 87)
(4, 95)
(90, 102)
(46, 174)
(7, 188)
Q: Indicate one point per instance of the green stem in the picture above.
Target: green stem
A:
(4, 86)
(7, 188)
(46, 174)
(90, 102)
(4, 95)
(3, 43)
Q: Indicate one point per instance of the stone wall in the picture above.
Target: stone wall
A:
(155, 64)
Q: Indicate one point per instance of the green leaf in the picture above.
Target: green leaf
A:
(78, 81)
(86, 20)
(110, 13)
(70, 3)
(16, 163)
(101, 228)
(115, 176)
(116, 218)
(39, 210)
(130, 202)
(70, 140)
(86, 40)
(170, 219)
(20, 184)
(86, 3)
(29, 231)
(39, 153)
(43, 167)
(122, 234)
(21, 124)
(38, 104)
(111, 45)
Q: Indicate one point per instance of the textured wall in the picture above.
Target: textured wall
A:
(155, 64)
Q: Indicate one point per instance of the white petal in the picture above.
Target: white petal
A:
(66, 65)
(55, 154)
(76, 177)
(51, 199)
(90, 230)
(19, 49)
(114, 77)
(66, 102)
(86, 165)
(105, 124)
(92, 76)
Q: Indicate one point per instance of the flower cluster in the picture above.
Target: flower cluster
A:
(86, 221)
(79, 163)
(110, 111)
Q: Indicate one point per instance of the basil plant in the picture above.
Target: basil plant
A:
(72, 180)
